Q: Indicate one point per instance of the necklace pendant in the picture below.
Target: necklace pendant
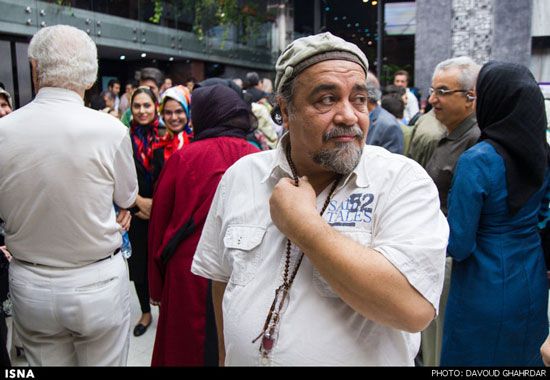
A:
(267, 342)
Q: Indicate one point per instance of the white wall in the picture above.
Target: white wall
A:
(541, 13)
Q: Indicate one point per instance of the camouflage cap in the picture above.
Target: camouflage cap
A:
(307, 51)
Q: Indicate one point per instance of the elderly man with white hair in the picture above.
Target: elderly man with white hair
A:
(64, 166)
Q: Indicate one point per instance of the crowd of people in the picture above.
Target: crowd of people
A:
(317, 220)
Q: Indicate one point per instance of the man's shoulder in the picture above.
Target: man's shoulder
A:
(254, 164)
(474, 130)
(108, 124)
(428, 126)
(377, 160)
(387, 119)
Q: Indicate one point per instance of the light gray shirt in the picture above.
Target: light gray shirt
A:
(388, 203)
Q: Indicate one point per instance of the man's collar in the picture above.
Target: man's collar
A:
(59, 93)
(279, 165)
(463, 127)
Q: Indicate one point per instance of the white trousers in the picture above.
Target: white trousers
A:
(72, 316)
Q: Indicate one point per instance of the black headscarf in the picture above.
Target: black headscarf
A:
(219, 111)
(511, 116)
(224, 82)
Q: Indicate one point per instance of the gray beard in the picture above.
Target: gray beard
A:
(342, 159)
(345, 156)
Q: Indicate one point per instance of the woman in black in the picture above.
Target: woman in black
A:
(144, 135)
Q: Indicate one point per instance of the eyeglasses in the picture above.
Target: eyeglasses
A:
(441, 92)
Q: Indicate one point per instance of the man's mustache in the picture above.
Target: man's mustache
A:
(339, 131)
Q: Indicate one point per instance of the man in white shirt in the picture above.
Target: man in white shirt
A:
(114, 87)
(401, 79)
(324, 251)
(63, 168)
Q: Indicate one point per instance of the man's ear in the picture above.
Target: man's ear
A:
(34, 74)
(283, 106)
(470, 96)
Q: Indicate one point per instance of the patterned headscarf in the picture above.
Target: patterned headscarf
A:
(171, 142)
(144, 136)
(182, 95)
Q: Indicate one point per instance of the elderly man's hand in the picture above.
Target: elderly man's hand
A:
(123, 219)
(292, 206)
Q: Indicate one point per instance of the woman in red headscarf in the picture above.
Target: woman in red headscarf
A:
(144, 136)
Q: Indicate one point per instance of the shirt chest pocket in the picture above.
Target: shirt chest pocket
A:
(322, 287)
(243, 250)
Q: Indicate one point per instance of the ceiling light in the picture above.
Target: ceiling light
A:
(374, 2)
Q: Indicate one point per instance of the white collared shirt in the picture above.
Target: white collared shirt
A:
(387, 203)
(62, 167)
(411, 108)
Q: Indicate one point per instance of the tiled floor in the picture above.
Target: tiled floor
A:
(141, 347)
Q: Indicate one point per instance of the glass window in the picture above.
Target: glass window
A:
(6, 70)
(24, 79)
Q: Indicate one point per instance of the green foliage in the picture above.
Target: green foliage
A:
(67, 4)
(157, 12)
(243, 14)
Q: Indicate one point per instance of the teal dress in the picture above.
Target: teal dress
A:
(497, 308)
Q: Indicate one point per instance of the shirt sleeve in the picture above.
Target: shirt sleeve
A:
(209, 261)
(126, 185)
(412, 233)
(465, 202)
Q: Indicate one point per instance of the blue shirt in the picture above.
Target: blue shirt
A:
(497, 308)
(384, 131)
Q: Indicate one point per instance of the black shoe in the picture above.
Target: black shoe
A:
(140, 329)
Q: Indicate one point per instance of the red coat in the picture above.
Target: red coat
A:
(182, 198)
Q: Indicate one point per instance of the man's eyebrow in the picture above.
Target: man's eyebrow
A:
(360, 87)
(323, 87)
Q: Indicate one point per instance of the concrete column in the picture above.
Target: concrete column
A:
(512, 31)
(482, 29)
(432, 40)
